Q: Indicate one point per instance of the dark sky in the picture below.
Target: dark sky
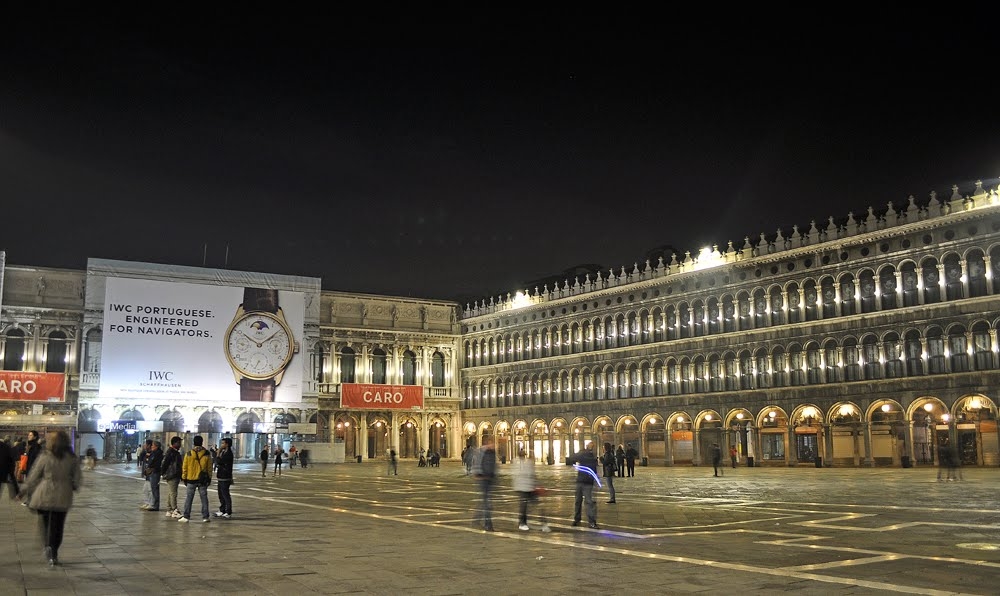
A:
(460, 172)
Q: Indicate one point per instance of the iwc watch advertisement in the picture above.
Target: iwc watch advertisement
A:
(259, 344)
(201, 342)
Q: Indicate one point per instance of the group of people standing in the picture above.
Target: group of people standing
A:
(195, 469)
(300, 456)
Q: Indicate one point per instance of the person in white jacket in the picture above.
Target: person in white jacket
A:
(526, 485)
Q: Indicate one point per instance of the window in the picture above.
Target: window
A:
(887, 283)
(55, 356)
(981, 347)
(867, 281)
(959, 348)
(378, 367)
(852, 365)
(935, 352)
(746, 371)
(932, 287)
(910, 289)
(870, 355)
(437, 370)
(953, 278)
(796, 365)
(347, 361)
(832, 358)
(893, 353)
(848, 303)
(813, 364)
(14, 355)
(829, 299)
(914, 354)
(409, 368)
(794, 313)
(730, 367)
(976, 267)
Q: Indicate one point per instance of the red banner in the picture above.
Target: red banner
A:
(32, 386)
(393, 397)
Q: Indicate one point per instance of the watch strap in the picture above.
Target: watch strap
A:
(260, 300)
(256, 390)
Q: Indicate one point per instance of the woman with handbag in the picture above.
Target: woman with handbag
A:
(49, 488)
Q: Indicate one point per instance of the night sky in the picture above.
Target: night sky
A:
(457, 173)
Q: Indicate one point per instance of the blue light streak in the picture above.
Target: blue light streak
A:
(580, 468)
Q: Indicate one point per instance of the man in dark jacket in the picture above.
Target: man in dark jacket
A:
(171, 474)
(152, 471)
(224, 478)
(7, 473)
(586, 474)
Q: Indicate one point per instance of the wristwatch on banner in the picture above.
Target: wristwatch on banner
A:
(259, 344)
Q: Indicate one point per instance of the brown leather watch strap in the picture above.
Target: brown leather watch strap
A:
(254, 390)
(260, 300)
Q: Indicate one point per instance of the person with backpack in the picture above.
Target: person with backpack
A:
(197, 475)
(224, 476)
(172, 461)
(585, 464)
(608, 460)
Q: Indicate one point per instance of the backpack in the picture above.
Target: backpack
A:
(204, 477)
(174, 468)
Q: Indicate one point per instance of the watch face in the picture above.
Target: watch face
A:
(259, 345)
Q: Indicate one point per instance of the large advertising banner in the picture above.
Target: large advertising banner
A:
(207, 342)
(393, 397)
(32, 386)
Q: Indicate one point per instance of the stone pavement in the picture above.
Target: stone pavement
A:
(350, 529)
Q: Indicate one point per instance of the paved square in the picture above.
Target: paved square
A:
(350, 529)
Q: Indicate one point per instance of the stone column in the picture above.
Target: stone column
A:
(908, 440)
(987, 263)
(899, 288)
(827, 446)
(942, 283)
(791, 447)
(919, 271)
(362, 448)
(668, 444)
(965, 278)
(696, 446)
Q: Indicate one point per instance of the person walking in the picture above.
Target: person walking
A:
(484, 470)
(49, 489)
(152, 471)
(224, 478)
(733, 455)
(525, 483)
(197, 464)
(91, 457)
(467, 454)
(263, 462)
(171, 474)
(293, 456)
(716, 457)
(392, 471)
(620, 460)
(630, 455)
(27, 454)
(8, 474)
(278, 453)
(610, 462)
(304, 458)
(147, 493)
(586, 474)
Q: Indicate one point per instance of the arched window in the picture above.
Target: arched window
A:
(887, 288)
(247, 422)
(794, 306)
(870, 357)
(92, 359)
(914, 354)
(932, 282)
(809, 294)
(687, 374)
(732, 381)
(958, 347)
(829, 298)
(728, 315)
(760, 313)
(698, 322)
(14, 355)
(713, 316)
(173, 421)
(409, 368)
(684, 320)
(715, 374)
(211, 422)
(981, 347)
(852, 360)
(700, 375)
(347, 362)
(976, 267)
(746, 370)
(831, 355)
(908, 274)
(936, 363)
(761, 366)
(953, 278)
(848, 299)
(658, 379)
(671, 321)
(892, 351)
(318, 362)
(56, 356)
(814, 363)
(743, 305)
(437, 370)
(673, 378)
(867, 281)
(777, 307)
(796, 365)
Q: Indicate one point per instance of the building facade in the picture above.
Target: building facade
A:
(866, 342)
